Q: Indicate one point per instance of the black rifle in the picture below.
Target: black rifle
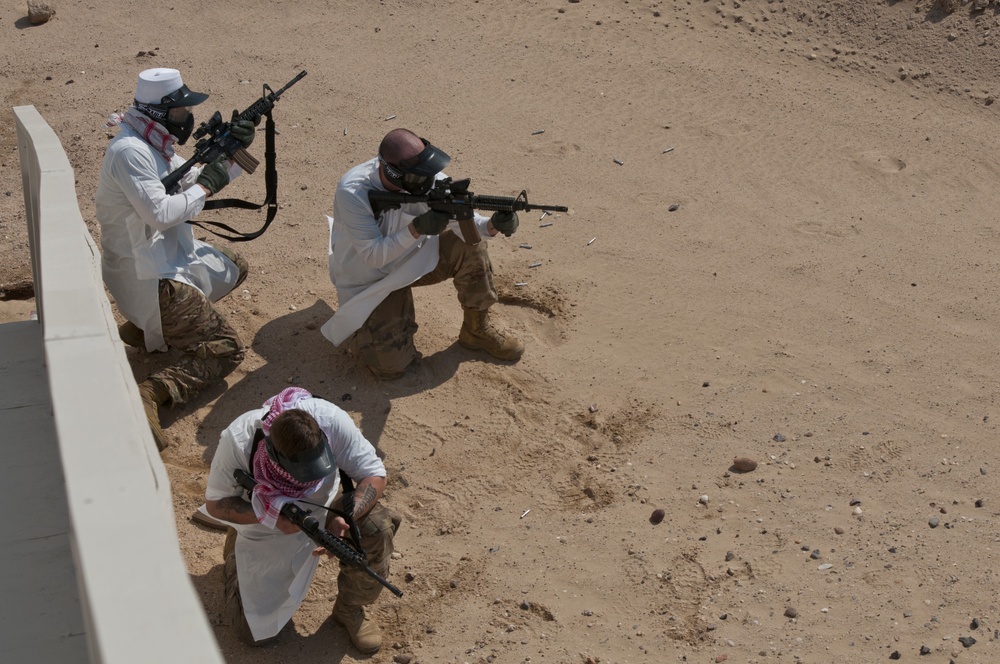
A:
(454, 198)
(310, 526)
(215, 140)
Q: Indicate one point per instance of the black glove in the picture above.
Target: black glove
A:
(504, 222)
(215, 176)
(242, 130)
(431, 222)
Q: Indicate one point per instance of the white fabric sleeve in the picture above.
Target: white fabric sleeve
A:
(235, 170)
(356, 221)
(135, 172)
(352, 451)
(481, 223)
(228, 457)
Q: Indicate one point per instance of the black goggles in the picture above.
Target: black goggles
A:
(417, 175)
(306, 466)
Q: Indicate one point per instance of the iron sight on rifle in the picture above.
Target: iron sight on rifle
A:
(323, 537)
(454, 198)
(215, 141)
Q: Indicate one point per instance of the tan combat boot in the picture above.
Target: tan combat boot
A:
(364, 633)
(153, 396)
(478, 333)
(132, 335)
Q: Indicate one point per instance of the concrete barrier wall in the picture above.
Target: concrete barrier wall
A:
(139, 604)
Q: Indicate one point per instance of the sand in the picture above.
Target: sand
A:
(820, 299)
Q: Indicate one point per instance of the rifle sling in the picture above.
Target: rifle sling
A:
(270, 200)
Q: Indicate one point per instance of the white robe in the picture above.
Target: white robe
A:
(144, 237)
(370, 260)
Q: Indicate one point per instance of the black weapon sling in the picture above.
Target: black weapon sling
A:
(270, 200)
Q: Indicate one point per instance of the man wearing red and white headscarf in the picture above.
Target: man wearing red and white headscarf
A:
(295, 447)
(163, 280)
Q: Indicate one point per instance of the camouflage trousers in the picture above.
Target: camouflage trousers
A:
(354, 587)
(191, 324)
(384, 344)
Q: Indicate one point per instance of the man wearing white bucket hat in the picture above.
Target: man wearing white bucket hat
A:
(163, 280)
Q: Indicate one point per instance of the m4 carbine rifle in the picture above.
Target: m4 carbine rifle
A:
(309, 524)
(454, 198)
(214, 140)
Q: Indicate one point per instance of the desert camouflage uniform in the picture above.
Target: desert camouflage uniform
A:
(211, 347)
(354, 587)
(384, 344)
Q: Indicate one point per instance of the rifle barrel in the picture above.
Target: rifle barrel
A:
(292, 82)
(550, 208)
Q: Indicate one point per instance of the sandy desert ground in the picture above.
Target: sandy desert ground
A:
(821, 299)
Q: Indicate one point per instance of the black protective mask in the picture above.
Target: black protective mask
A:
(416, 176)
(307, 466)
(181, 131)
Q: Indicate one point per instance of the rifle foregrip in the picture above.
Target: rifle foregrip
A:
(494, 203)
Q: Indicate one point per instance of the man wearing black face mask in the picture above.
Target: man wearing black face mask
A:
(374, 262)
(163, 280)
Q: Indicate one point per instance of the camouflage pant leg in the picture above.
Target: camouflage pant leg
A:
(384, 344)
(238, 260)
(470, 270)
(232, 609)
(355, 587)
(212, 349)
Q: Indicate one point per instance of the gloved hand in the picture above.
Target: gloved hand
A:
(215, 176)
(431, 222)
(242, 130)
(504, 222)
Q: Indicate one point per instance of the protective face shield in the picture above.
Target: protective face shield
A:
(307, 466)
(416, 175)
(180, 123)
(162, 96)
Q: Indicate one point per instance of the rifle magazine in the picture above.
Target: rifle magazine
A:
(246, 160)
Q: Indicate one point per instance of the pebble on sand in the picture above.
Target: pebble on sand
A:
(657, 516)
(744, 464)
(39, 12)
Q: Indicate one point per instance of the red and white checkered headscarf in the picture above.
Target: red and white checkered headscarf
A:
(151, 131)
(275, 487)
